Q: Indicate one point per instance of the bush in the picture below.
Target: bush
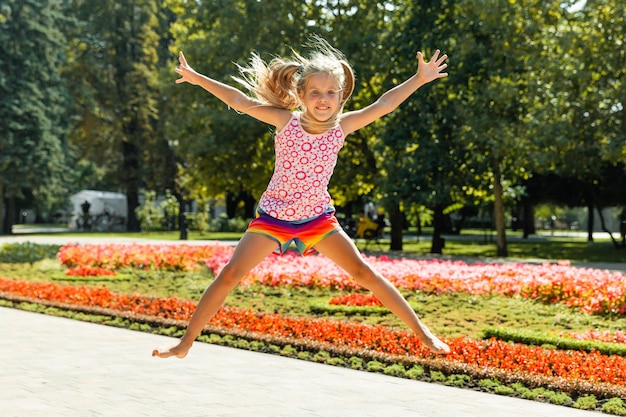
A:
(458, 380)
(150, 215)
(563, 343)
(614, 406)
(415, 372)
(27, 252)
(396, 370)
(223, 224)
(437, 376)
(375, 366)
(356, 363)
(586, 402)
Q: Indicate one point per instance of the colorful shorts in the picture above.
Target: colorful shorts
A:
(305, 235)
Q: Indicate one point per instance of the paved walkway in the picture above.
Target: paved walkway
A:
(56, 367)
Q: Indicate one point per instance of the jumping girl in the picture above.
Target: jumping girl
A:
(296, 206)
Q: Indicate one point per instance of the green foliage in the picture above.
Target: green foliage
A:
(289, 350)
(149, 214)
(614, 406)
(396, 369)
(356, 362)
(458, 380)
(114, 66)
(586, 402)
(27, 252)
(35, 158)
(489, 384)
(321, 307)
(541, 339)
(415, 372)
(437, 376)
(223, 224)
(321, 356)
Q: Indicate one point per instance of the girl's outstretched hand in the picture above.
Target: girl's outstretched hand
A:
(187, 73)
(431, 70)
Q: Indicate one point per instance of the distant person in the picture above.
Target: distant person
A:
(296, 206)
(85, 206)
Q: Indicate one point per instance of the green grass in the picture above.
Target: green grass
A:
(451, 315)
(471, 243)
(553, 249)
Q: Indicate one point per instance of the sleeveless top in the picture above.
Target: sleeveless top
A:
(298, 189)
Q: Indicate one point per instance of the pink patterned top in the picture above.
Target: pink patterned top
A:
(298, 189)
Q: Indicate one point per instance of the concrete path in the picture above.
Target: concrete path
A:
(55, 367)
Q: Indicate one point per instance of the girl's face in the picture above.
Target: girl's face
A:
(321, 96)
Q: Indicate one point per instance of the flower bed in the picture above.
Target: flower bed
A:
(572, 371)
(602, 336)
(84, 271)
(356, 299)
(590, 290)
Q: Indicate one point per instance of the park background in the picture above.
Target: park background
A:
(530, 124)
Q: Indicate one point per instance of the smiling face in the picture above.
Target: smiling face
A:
(321, 96)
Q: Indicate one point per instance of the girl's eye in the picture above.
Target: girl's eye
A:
(318, 93)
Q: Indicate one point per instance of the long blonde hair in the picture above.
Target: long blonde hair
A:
(281, 81)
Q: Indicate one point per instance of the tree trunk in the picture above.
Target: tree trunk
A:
(616, 243)
(498, 211)
(590, 220)
(131, 179)
(397, 220)
(9, 218)
(249, 205)
(3, 230)
(438, 243)
(232, 201)
(529, 219)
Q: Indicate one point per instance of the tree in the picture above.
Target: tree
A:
(494, 45)
(34, 153)
(232, 154)
(223, 152)
(422, 157)
(114, 65)
(577, 116)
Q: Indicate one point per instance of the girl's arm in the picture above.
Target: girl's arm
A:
(389, 101)
(232, 97)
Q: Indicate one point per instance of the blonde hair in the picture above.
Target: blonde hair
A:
(281, 81)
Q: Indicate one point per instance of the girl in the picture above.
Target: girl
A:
(296, 206)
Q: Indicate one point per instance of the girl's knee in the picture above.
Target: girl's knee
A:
(364, 274)
(230, 275)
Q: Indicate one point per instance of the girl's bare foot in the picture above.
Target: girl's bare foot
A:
(437, 346)
(180, 351)
(433, 343)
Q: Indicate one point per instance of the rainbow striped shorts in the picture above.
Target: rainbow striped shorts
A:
(305, 235)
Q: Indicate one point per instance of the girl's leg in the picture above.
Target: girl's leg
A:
(251, 249)
(339, 248)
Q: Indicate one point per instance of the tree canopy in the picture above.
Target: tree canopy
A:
(536, 90)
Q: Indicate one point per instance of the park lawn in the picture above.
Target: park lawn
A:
(471, 243)
(449, 315)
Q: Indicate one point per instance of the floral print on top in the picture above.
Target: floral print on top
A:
(298, 189)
